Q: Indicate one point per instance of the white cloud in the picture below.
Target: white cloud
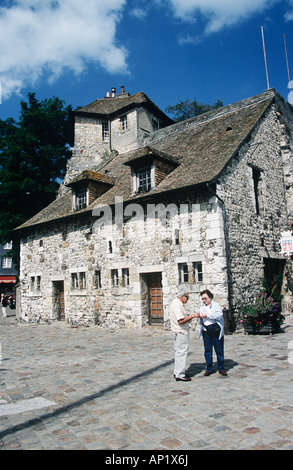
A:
(218, 13)
(44, 37)
(289, 14)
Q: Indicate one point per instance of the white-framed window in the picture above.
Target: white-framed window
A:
(82, 280)
(123, 123)
(74, 281)
(81, 198)
(115, 277)
(198, 273)
(143, 179)
(183, 273)
(125, 277)
(105, 131)
(35, 284)
(6, 262)
(78, 280)
(8, 246)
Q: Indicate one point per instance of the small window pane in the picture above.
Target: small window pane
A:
(81, 198)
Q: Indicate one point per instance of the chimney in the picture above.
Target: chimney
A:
(122, 90)
(113, 90)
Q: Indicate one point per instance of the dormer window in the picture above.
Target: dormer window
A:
(149, 167)
(81, 198)
(89, 186)
(143, 179)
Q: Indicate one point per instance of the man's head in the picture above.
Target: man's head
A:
(183, 294)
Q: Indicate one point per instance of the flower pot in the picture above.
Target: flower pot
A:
(268, 328)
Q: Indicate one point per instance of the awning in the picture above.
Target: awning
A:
(7, 279)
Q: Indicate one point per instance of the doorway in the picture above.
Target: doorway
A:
(58, 300)
(273, 274)
(153, 285)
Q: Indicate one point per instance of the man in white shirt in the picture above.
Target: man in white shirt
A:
(180, 327)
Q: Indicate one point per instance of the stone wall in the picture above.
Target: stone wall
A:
(143, 245)
(254, 236)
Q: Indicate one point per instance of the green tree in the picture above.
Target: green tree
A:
(188, 109)
(33, 156)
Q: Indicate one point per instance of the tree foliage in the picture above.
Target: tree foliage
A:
(188, 109)
(33, 156)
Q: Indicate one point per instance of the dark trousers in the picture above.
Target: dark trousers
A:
(210, 342)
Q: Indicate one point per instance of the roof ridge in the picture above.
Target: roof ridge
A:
(206, 117)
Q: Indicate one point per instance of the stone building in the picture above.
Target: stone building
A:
(148, 204)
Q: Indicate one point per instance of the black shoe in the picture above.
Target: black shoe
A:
(186, 375)
(183, 379)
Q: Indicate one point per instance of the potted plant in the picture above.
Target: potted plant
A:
(262, 316)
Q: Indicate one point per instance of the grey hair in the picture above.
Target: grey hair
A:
(182, 290)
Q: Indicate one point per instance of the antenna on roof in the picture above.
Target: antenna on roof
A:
(265, 56)
(289, 84)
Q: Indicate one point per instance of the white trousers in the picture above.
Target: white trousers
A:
(181, 345)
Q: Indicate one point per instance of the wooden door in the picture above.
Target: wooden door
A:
(156, 298)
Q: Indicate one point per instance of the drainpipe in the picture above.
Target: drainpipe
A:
(110, 133)
(227, 248)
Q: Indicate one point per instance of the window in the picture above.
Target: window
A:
(6, 262)
(257, 185)
(123, 123)
(105, 131)
(115, 277)
(8, 246)
(125, 277)
(177, 236)
(74, 281)
(197, 271)
(81, 198)
(155, 123)
(38, 284)
(97, 279)
(144, 180)
(35, 284)
(78, 281)
(183, 273)
(82, 280)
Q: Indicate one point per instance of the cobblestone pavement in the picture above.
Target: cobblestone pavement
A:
(92, 388)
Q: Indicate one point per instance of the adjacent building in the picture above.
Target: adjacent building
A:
(8, 271)
(148, 204)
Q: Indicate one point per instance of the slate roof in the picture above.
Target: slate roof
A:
(118, 105)
(201, 146)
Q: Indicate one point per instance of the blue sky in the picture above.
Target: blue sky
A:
(170, 49)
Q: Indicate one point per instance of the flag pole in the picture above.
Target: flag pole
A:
(289, 84)
(265, 57)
